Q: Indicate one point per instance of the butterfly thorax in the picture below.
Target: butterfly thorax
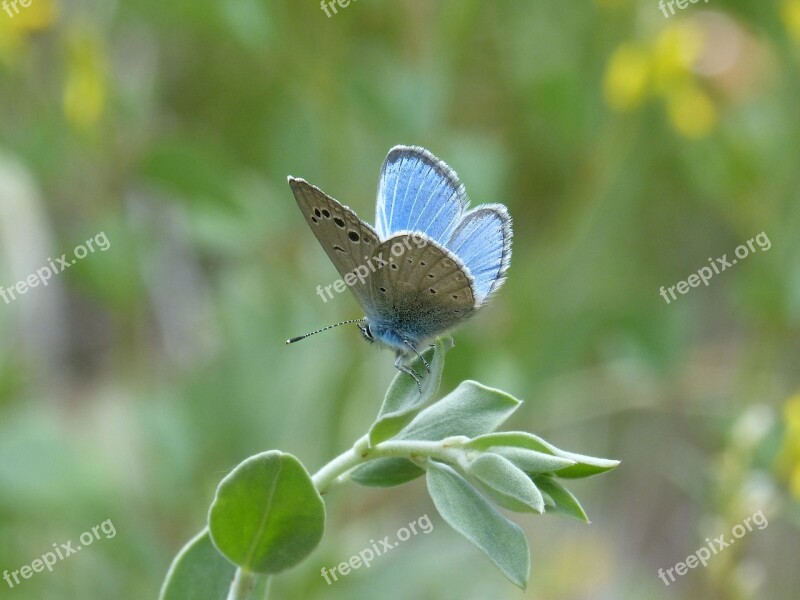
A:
(387, 336)
(406, 329)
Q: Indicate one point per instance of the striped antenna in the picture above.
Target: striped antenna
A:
(302, 337)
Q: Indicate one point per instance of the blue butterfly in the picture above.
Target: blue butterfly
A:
(427, 265)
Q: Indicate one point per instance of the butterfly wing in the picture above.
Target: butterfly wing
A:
(418, 192)
(347, 240)
(482, 240)
(421, 291)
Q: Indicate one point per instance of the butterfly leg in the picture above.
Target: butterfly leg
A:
(407, 370)
(422, 358)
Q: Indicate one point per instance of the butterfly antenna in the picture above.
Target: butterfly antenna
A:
(302, 337)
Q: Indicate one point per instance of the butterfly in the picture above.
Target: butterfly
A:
(428, 264)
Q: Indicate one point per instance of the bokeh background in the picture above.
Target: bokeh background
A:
(629, 147)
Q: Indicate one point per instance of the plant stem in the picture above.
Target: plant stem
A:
(267, 586)
(446, 451)
(242, 585)
(324, 478)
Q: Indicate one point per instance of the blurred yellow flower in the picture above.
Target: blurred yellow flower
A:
(790, 14)
(791, 412)
(675, 51)
(626, 78)
(663, 69)
(691, 111)
(789, 458)
(85, 88)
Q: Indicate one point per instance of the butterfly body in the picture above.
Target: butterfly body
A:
(427, 265)
(427, 291)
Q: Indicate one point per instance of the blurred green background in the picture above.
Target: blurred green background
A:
(629, 148)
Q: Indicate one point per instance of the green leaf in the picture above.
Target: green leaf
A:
(470, 410)
(533, 461)
(559, 499)
(267, 515)
(507, 485)
(386, 472)
(199, 572)
(584, 465)
(403, 399)
(474, 517)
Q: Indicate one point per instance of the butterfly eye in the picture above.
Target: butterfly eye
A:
(366, 332)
